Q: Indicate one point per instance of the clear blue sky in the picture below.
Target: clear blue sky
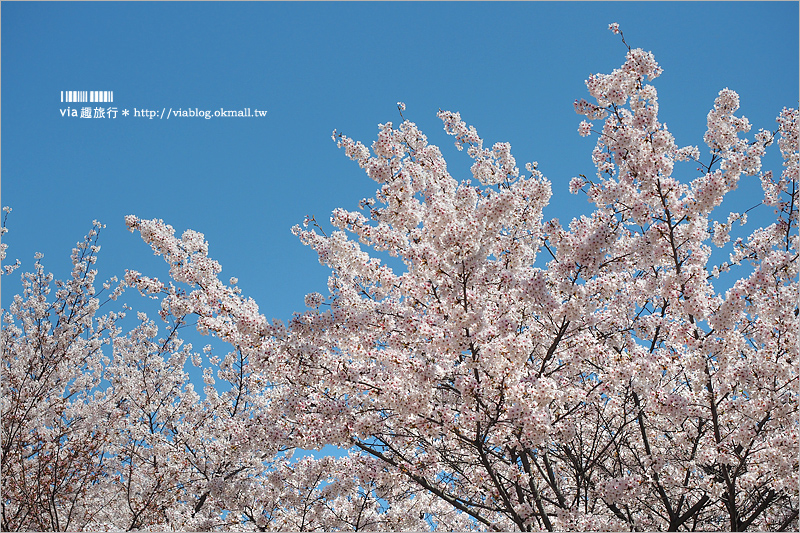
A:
(512, 69)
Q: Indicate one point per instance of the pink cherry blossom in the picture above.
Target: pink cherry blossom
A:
(509, 372)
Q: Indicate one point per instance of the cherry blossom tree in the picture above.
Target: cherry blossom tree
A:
(91, 442)
(513, 373)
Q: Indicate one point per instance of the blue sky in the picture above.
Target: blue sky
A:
(512, 69)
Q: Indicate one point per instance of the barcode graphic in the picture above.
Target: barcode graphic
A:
(87, 96)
